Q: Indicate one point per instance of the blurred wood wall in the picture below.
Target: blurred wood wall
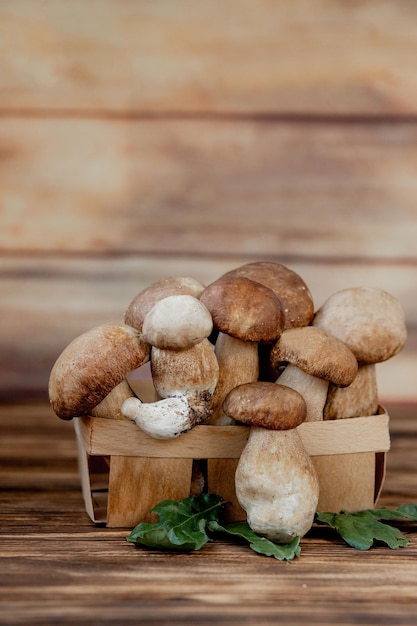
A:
(145, 139)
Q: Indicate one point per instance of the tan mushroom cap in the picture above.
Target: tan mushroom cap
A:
(92, 365)
(177, 322)
(288, 286)
(244, 309)
(266, 404)
(369, 320)
(317, 353)
(145, 299)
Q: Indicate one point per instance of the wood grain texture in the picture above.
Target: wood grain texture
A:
(208, 188)
(59, 567)
(271, 57)
(122, 437)
(144, 470)
(140, 140)
(48, 300)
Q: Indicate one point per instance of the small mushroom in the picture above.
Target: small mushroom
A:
(177, 322)
(245, 313)
(314, 358)
(92, 365)
(143, 302)
(185, 381)
(371, 322)
(167, 418)
(360, 398)
(276, 483)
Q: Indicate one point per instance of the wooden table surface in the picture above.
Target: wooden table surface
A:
(58, 568)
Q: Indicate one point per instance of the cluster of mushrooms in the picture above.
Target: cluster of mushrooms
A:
(248, 348)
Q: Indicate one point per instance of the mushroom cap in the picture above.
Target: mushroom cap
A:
(145, 299)
(317, 353)
(370, 321)
(92, 365)
(185, 371)
(266, 404)
(177, 323)
(244, 309)
(288, 286)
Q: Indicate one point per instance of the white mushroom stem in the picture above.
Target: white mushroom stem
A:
(360, 398)
(238, 364)
(313, 389)
(110, 406)
(276, 484)
(167, 418)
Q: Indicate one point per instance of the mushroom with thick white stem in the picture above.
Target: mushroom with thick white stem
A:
(92, 366)
(245, 313)
(185, 381)
(276, 483)
(371, 322)
(314, 358)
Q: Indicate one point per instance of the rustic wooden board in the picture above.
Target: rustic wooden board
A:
(324, 57)
(306, 190)
(59, 567)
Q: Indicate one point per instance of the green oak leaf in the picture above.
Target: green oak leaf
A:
(360, 529)
(181, 525)
(261, 545)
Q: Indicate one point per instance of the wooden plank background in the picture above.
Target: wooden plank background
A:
(147, 139)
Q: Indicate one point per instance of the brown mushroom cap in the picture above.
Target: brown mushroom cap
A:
(369, 320)
(92, 365)
(288, 286)
(244, 309)
(145, 299)
(317, 353)
(266, 404)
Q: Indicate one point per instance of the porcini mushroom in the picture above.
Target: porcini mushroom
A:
(314, 358)
(177, 322)
(276, 483)
(360, 398)
(245, 313)
(92, 365)
(288, 286)
(292, 292)
(371, 322)
(147, 298)
(185, 381)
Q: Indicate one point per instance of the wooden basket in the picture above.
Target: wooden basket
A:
(125, 472)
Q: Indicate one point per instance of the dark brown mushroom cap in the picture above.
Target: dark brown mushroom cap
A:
(317, 353)
(369, 320)
(92, 365)
(266, 404)
(288, 286)
(143, 302)
(244, 309)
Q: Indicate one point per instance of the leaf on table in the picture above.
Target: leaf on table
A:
(405, 511)
(361, 528)
(181, 525)
(259, 544)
